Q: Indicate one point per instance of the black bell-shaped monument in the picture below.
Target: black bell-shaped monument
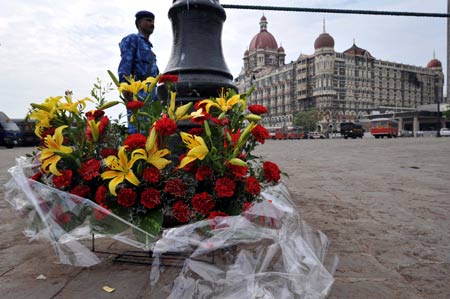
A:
(197, 56)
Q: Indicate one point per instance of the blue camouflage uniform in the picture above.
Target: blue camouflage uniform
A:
(137, 59)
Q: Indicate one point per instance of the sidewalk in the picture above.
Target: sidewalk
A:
(382, 203)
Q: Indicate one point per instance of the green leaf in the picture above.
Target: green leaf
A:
(114, 78)
(150, 223)
(108, 225)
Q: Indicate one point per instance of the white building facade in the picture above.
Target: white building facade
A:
(345, 86)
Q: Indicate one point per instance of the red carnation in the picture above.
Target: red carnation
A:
(126, 197)
(221, 122)
(203, 203)
(168, 78)
(260, 133)
(90, 169)
(196, 131)
(176, 187)
(252, 185)
(63, 180)
(81, 191)
(151, 174)
(181, 212)
(60, 216)
(104, 121)
(271, 171)
(150, 198)
(165, 126)
(134, 105)
(94, 114)
(204, 172)
(257, 109)
(224, 187)
(237, 170)
(37, 176)
(100, 214)
(234, 138)
(135, 141)
(106, 152)
(100, 195)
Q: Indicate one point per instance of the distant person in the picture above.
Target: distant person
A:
(137, 57)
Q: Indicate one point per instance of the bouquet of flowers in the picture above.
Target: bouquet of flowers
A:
(188, 161)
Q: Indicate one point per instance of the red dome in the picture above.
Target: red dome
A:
(246, 53)
(280, 49)
(434, 63)
(264, 39)
(324, 41)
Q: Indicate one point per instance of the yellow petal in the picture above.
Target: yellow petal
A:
(130, 177)
(151, 140)
(157, 159)
(185, 161)
(113, 184)
(199, 152)
(109, 174)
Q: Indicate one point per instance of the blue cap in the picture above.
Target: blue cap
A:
(144, 14)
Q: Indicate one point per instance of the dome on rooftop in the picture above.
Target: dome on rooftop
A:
(264, 39)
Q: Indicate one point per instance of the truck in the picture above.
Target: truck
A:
(10, 134)
(352, 130)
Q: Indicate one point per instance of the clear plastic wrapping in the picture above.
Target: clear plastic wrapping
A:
(266, 252)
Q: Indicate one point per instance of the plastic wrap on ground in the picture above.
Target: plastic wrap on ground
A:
(65, 219)
(266, 252)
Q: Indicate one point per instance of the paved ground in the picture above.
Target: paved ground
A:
(383, 203)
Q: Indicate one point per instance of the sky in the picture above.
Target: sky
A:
(49, 46)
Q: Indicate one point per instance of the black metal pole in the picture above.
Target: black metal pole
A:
(197, 56)
(438, 133)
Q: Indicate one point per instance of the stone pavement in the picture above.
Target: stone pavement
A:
(384, 204)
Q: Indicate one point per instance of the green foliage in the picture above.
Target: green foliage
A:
(307, 119)
(446, 114)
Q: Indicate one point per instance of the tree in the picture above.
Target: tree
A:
(307, 119)
(446, 114)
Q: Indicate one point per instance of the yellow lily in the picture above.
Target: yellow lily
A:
(120, 170)
(197, 146)
(44, 113)
(181, 112)
(223, 104)
(52, 153)
(73, 107)
(151, 154)
(136, 86)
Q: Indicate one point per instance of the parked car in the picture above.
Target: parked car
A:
(445, 132)
(10, 134)
(315, 135)
(29, 138)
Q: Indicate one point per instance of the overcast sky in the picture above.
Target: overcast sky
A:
(49, 46)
